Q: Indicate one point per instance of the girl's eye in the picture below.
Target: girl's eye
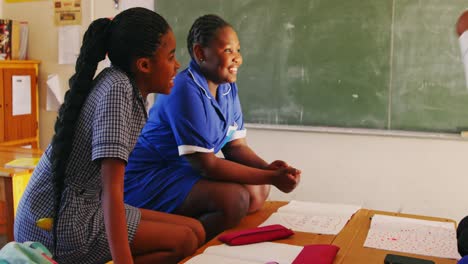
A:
(228, 50)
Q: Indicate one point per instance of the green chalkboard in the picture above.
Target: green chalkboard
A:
(428, 88)
(388, 64)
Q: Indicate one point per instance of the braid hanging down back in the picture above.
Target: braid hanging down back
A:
(133, 33)
(92, 51)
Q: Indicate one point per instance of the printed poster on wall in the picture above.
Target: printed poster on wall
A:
(67, 12)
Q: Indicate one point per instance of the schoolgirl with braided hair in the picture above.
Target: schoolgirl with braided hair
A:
(173, 167)
(78, 183)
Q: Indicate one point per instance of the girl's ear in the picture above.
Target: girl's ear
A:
(198, 53)
(143, 65)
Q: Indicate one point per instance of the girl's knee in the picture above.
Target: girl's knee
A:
(258, 199)
(244, 200)
(198, 230)
(237, 206)
(255, 205)
(186, 243)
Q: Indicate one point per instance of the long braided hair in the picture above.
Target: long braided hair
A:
(132, 34)
(203, 30)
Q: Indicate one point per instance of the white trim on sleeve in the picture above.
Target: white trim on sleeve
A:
(239, 134)
(188, 149)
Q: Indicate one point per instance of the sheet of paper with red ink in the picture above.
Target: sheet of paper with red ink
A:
(424, 237)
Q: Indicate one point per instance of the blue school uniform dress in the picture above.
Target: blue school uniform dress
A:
(186, 121)
(108, 126)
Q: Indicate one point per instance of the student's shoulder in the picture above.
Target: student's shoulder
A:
(113, 75)
(184, 83)
(184, 77)
(113, 80)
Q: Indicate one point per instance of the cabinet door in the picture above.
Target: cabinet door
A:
(20, 101)
(2, 109)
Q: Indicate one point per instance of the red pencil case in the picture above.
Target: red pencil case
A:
(255, 235)
(317, 254)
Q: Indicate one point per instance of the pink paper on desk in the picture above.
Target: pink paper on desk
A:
(317, 254)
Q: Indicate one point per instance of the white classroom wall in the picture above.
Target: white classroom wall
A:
(395, 173)
(413, 175)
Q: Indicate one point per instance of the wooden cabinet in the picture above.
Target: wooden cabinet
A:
(12, 185)
(19, 115)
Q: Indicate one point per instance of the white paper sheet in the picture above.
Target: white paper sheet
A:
(55, 96)
(429, 238)
(69, 44)
(21, 95)
(464, 53)
(126, 4)
(326, 225)
(258, 252)
(321, 218)
(325, 209)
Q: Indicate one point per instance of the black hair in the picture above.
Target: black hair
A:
(462, 237)
(132, 34)
(203, 30)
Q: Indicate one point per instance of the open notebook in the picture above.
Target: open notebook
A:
(312, 217)
(267, 252)
(248, 254)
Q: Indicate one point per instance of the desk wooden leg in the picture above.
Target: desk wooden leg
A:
(10, 218)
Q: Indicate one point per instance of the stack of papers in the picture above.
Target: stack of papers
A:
(23, 163)
(312, 217)
(428, 238)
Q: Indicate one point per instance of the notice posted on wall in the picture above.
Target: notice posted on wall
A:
(67, 12)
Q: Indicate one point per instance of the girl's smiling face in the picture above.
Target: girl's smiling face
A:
(164, 65)
(222, 58)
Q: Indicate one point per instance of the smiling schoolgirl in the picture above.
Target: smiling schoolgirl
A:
(173, 167)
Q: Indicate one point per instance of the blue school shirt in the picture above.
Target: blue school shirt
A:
(188, 120)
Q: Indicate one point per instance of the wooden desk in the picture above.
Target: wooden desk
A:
(350, 239)
(10, 153)
(6, 185)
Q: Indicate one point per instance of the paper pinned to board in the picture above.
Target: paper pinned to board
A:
(67, 12)
(423, 237)
(464, 53)
(69, 39)
(55, 95)
(21, 95)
